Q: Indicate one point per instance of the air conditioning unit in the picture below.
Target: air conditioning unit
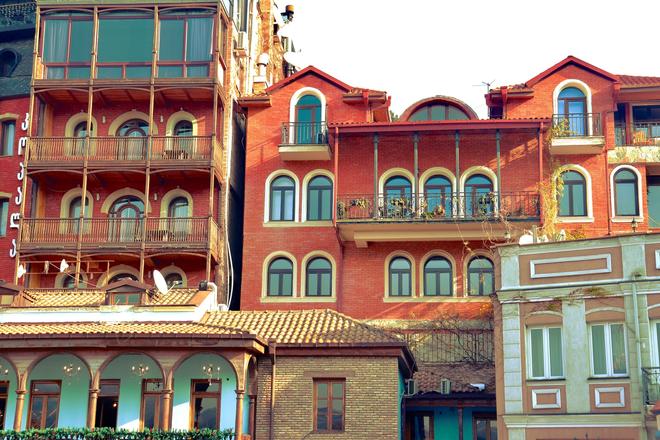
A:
(445, 386)
(410, 387)
(241, 43)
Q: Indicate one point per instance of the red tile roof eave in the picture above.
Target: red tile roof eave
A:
(305, 71)
(571, 60)
(405, 126)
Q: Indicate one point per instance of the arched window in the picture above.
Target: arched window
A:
(125, 214)
(438, 112)
(68, 282)
(122, 277)
(135, 147)
(572, 109)
(400, 277)
(8, 61)
(437, 277)
(481, 276)
(308, 122)
(74, 213)
(319, 198)
(183, 128)
(79, 132)
(319, 277)
(282, 199)
(177, 213)
(626, 201)
(398, 200)
(178, 208)
(479, 197)
(280, 277)
(174, 280)
(438, 197)
(573, 197)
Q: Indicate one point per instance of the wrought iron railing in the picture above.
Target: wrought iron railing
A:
(643, 134)
(118, 148)
(449, 207)
(576, 125)
(17, 14)
(304, 133)
(651, 381)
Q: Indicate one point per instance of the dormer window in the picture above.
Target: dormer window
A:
(125, 298)
(9, 59)
(126, 293)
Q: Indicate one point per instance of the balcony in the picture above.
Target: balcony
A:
(364, 218)
(651, 381)
(304, 141)
(578, 133)
(16, 16)
(54, 234)
(123, 152)
(644, 134)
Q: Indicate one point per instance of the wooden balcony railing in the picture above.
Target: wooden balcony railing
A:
(519, 205)
(576, 125)
(123, 149)
(108, 232)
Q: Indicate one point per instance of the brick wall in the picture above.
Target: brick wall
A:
(372, 397)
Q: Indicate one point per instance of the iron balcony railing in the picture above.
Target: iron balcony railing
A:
(166, 231)
(651, 381)
(643, 134)
(455, 206)
(304, 133)
(17, 15)
(576, 125)
(118, 148)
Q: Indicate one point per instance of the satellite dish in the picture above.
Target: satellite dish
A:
(63, 265)
(21, 271)
(161, 284)
(526, 239)
(296, 59)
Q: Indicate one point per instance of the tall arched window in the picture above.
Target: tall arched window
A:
(437, 277)
(573, 197)
(282, 199)
(572, 109)
(183, 128)
(68, 282)
(398, 200)
(280, 277)
(318, 277)
(79, 132)
(626, 198)
(125, 214)
(308, 122)
(177, 213)
(437, 193)
(74, 212)
(400, 277)
(174, 280)
(481, 276)
(133, 148)
(319, 198)
(479, 197)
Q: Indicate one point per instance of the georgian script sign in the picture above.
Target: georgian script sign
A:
(15, 217)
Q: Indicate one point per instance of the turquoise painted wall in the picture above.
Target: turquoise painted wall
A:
(75, 389)
(445, 421)
(190, 369)
(10, 410)
(130, 387)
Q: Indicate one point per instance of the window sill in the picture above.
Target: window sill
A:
(298, 299)
(278, 299)
(583, 219)
(553, 381)
(312, 223)
(627, 219)
(608, 378)
(432, 299)
(282, 224)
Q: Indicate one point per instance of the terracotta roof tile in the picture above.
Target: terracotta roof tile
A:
(105, 328)
(639, 81)
(460, 375)
(94, 298)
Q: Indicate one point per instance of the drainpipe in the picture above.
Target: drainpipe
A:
(609, 198)
(375, 206)
(273, 349)
(498, 137)
(638, 344)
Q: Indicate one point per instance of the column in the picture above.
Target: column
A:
(253, 415)
(629, 124)
(460, 423)
(239, 414)
(499, 169)
(374, 208)
(167, 402)
(91, 407)
(20, 404)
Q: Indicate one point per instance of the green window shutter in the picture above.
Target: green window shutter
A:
(598, 349)
(618, 349)
(556, 363)
(536, 349)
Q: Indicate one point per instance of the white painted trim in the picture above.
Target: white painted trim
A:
(620, 404)
(546, 352)
(264, 276)
(478, 170)
(608, 350)
(413, 281)
(303, 276)
(536, 393)
(392, 172)
(657, 258)
(308, 177)
(437, 171)
(640, 207)
(581, 85)
(587, 180)
(294, 100)
(534, 263)
(272, 176)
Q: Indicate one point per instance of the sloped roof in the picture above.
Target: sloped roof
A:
(93, 298)
(461, 375)
(575, 61)
(639, 81)
(310, 70)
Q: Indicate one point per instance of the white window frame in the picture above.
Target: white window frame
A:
(655, 352)
(546, 353)
(608, 350)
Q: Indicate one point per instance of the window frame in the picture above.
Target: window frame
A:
(547, 365)
(320, 189)
(609, 355)
(399, 272)
(114, 382)
(158, 406)
(437, 276)
(282, 191)
(113, 295)
(202, 395)
(319, 273)
(489, 418)
(67, 64)
(280, 273)
(414, 415)
(635, 182)
(490, 271)
(585, 201)
(329, 400)
(44, 397)
(7, 147)
(4, 396)
(4, 213)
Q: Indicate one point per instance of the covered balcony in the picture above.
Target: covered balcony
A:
(304, 141)
(577, 133)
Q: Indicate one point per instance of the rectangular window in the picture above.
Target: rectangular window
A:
(125, 45)
(44, 404)
(329, 404)
(107, 405)
(4, 216)
(545, 353)
(186, 42)
(205, 403)
(484, 427)
(67, 45)
(7, 137)
(152, 398)
(420, 426)
(4, 394)
(123, 299)
(608, 350)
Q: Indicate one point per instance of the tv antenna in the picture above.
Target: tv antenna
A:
(486, 84)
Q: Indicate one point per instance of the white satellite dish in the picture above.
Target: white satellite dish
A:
(63, 265)
(21, 271)
(526, 239)
(296, 59)
(161, 284)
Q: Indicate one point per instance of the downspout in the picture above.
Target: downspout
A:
(540, 146)
(376, 195)
(638, 342)
(609, 198)
(498, 137)
(272, 389)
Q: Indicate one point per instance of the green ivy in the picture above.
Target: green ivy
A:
(112, 434)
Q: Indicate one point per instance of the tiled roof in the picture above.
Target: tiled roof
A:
(103, 328)
(461, 375)
(302, 327)
(93, 298)
(639, 81)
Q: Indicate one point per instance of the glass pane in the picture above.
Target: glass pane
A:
(287, 285)
(493, 430)
(337, 390)
(273, 285)
(206, 387)
(313, 205)
(170, 71)
(56, 35)
(326, 204)
(206, 413)
(125, 39)
(154, 386)
(474, 283)
(55, 73)
(108, 72)
(321, 415)
(288, 205)
(405, 284)
(618, 349)
(35, 413)
(455, 114)
(321, 390)
(197, 71)
(337, 413)
(438, 112)
(598, 349)
(394, 285)
(556, 363)
(138, 72)
(578, 200)
(445, 283)
(81, 41)
(488, 281)
(536, 349)
(657, 340)
(149, 413)
(171, 40)
(79, 72)
(626, 201)
(276, 206)
(52, 408)
(200, 32)
(8, 136)
(312, 284)
(46, 387)
(430, 287)
(482, 426)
